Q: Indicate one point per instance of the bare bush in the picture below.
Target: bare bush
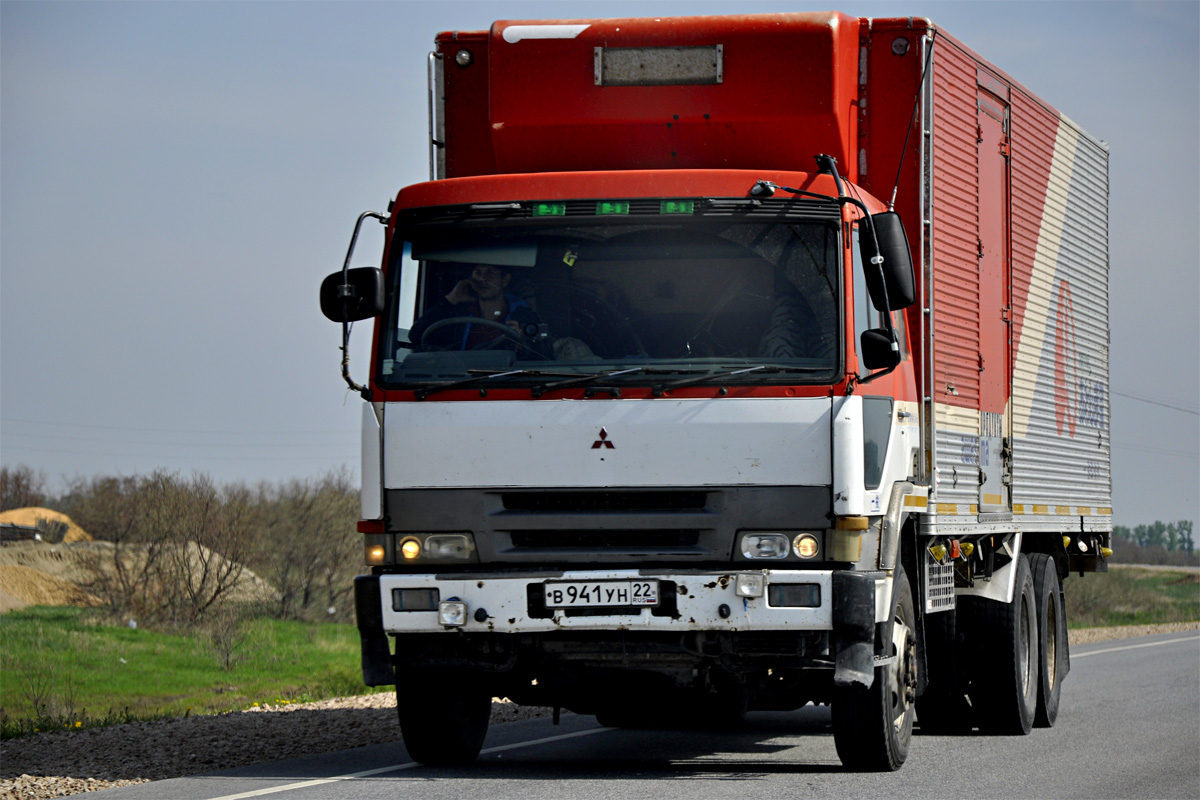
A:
(21, 487)
(176, 545)
(227, 636)
(307, 545)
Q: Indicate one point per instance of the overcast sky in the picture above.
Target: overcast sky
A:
(177, 178)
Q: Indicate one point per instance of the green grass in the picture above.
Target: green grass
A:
(1132, 596)
(65, 667)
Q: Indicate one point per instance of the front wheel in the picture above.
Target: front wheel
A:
(872, 728)
(443, 723)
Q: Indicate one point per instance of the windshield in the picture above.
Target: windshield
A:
(531, 301)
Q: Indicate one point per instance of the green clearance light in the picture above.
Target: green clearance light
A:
(549, 209)
(677, 207)
(612, 207)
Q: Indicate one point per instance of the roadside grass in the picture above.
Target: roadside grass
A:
(65, 667)
(1127, 595)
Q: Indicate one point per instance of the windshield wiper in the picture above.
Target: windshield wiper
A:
(427, 389)
(662, 388)
(583, 380)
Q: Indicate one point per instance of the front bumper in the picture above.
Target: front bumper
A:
(689, 601)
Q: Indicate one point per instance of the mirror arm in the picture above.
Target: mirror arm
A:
(346, 291)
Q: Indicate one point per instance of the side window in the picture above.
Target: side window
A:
(402, 303)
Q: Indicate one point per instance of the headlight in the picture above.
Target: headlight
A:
(456, 546)
(410, 548)
(435, 547)
(764, 545)
(806, 546)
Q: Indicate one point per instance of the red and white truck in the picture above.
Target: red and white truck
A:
(732, 363)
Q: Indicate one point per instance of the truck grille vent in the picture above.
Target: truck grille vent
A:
(604, 540)
(939, 578)
(603, 501)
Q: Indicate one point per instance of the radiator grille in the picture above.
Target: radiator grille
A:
(604, 540)
(603, 501)
(939, 582)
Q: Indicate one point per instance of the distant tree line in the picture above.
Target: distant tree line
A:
(174, 551)
(1160, 542)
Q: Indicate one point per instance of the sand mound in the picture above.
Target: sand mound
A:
(29, 517)
(32, 587)
(70, 567)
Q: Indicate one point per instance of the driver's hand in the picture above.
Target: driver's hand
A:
(461, 293)
(516, 326)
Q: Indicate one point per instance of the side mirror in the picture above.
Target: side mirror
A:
(897, 262)
(875, 350)
(359, 296)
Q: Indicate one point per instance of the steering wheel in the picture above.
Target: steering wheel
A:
(487, 323)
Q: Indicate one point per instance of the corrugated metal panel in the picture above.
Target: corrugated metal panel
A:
(1061, 447)
(955, 271)
(958, 464)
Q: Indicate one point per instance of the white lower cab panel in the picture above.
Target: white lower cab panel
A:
(702, 602)
(607, 442)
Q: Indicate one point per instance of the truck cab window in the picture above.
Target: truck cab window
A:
(689, 296)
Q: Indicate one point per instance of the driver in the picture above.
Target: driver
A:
(481, 296)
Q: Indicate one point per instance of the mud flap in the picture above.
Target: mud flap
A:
(854, 629)
(368, 611)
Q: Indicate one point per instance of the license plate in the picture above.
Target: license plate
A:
(598, 594)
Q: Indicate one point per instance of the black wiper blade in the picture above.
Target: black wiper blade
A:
(582, 380)
(708, 376)
(661, 388)
(427, 389)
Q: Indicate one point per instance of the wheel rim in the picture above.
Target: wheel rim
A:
(902, 683)
(1026, 647)
(1051, 641)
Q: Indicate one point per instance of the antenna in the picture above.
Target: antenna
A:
(916, 105)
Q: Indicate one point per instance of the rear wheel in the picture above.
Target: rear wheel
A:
(442, 727)
(1004, 687)
(872, 728)
(1052, 638)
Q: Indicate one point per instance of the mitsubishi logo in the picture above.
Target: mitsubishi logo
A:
(603, 441)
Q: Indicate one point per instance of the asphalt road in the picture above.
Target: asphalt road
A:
(1129, 727)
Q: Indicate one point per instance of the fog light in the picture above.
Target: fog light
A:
(375, 553)
(764, 545)
(452, 613)
(749, 585)
(449, 545)
(410, 548)
(806, 545)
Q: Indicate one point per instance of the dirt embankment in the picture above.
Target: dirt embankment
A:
(38, 572)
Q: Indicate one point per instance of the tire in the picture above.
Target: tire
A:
(872, 728)
(1052, 638)
(443, 730)
(1004, 684)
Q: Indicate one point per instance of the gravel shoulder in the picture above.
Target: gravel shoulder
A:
(73, 762)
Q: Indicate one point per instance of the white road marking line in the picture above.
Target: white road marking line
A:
(396, 767)
(1134, 646)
